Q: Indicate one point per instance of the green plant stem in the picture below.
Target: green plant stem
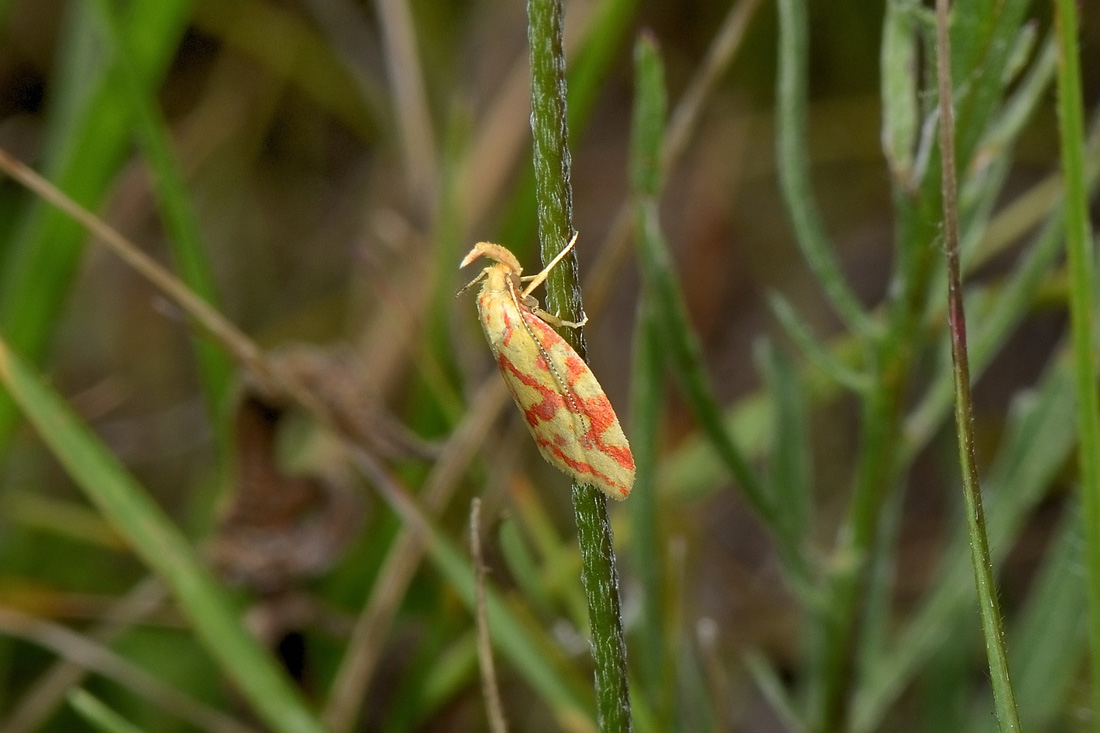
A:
(1079, 256)
(989, 607)
(553, 194)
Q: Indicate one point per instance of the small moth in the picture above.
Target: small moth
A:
(565, 408)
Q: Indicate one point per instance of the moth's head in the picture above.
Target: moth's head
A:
(494, 252)
(505, 273)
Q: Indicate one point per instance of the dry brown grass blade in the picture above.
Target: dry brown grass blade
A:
(49, 690)
(365, 646)
(239, 346)
(493, 706)
(413, 122)
(504, 131)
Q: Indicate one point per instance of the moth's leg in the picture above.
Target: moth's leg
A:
(556, 320)
(535, 280)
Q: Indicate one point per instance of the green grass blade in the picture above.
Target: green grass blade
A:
(685, 355)
(827, 364)
(989, 610)
(98, 715)
(85, 147)
(794, 159)
(900, 115)
(647, 138)
(585, 83)
(161, 545)
(1079, 253)
(185, 239)
(791, 453)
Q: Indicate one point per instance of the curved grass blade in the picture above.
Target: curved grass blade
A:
(98, 715)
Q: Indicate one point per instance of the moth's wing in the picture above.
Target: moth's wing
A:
(566, 410)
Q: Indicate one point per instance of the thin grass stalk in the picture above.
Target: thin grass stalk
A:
(1082, 318)
(989, 606)
(646, 398)
(647, 136)
(533, 655)
(553, 194)
(494, 708)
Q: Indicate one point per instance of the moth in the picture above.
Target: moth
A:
(566, 410)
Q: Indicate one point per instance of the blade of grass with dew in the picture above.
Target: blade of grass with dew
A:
(86, 139)
(554, 196)
(98, 715)
(794, 159)
(161, 545)
(185, 240)
(1079, 254)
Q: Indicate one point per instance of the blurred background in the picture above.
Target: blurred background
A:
(338, 158)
